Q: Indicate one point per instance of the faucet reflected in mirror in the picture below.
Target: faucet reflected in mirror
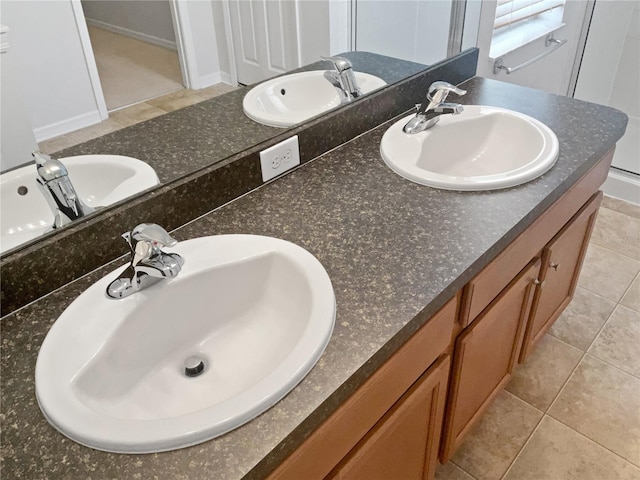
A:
(343, 77)
(56, 187)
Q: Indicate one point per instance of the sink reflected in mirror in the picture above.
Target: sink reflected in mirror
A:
(191, 357)
(99, 180)
(481, 148)
(173, 144)
(290, 99)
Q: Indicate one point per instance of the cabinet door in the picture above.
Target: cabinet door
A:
(561, 262)
(404, 443)
(485, 355)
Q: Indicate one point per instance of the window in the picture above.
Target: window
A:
(518, 22)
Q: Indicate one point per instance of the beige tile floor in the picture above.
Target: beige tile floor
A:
(131, 70)
(572, 412)
(134, 114)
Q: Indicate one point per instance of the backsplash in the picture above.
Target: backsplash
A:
(34, 271)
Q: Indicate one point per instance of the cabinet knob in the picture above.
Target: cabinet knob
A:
(538, 282)
(554, 265)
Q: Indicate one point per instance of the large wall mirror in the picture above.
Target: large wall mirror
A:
(390, 39)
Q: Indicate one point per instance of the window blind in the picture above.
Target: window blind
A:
(511, 11)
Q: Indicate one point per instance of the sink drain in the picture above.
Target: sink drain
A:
(194, 366)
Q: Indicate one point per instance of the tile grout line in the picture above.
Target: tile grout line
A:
(612, 365)
(627, 291)
(584, 354)
(594, 441)
(591, 242)
(524, 445)
(629, 218)
(567, 344)
(528, 437)
(615, 308)
(599, 295)
(458, 466)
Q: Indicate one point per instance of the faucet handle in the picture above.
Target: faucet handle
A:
(340, 63)
(151, 232)
(438, 91)
(146, 239)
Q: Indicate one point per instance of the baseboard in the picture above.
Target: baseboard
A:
(225, 78)
(66, 126)
(212, 79)
(161, 42)
(622, 185)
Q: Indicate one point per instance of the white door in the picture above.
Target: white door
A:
(265, 38)
(521, 41)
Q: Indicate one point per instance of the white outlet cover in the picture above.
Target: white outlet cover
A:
(279, 158)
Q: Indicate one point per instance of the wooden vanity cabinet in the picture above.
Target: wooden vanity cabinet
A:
(460, 359)
(485, 355)
(561, 263)
(404, 443)
(505, 320)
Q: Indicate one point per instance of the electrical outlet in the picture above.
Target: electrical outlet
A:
(279, 158)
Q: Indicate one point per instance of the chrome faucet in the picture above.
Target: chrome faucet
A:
(343, 77)
(428, 113)
(149, 264)
(54, 183)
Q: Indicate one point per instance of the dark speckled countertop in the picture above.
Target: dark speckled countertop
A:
(395, 252)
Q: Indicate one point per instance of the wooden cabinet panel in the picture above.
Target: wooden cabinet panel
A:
(404, 443)
(561, 262)
(485, 355)
(342, 431)
(490, 281)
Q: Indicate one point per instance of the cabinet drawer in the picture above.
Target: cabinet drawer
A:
(342, 431)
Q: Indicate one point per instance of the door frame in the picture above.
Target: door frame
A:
(90, 60)
(184, 44)
(226, 10)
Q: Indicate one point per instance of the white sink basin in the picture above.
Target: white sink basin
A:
(258, 310)
(99, 180)
(291, 99)
(482, 148)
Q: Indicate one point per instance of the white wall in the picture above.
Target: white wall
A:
(50, 65)
(203, 43)
(221, 40)
(625, 96)
(411, 30)
(145, 19)
(610, 75)
(313, 27)
(17, 140)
